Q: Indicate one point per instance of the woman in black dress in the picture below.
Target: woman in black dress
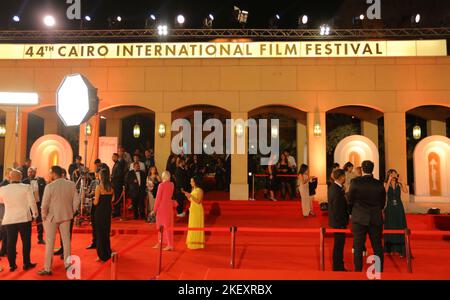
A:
(394, 214)
(104, 197)
(284, 182)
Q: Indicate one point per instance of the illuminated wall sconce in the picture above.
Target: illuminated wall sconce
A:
(136, 131)
(88, 129)
(2, 130)
(417, 132)
(274, 132)
(317, 130)
(239, 130)
(162, 130)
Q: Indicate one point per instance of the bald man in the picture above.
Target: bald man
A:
(20, 209)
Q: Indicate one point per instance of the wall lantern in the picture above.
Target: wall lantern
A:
(2, 130)
(417, 132)
(317, 130)
(88, 129)
(162, 130)
(136, 131)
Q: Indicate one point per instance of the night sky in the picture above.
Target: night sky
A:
(134, 12)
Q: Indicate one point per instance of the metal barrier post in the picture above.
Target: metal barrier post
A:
(253, 186)
(159, 263)
(322, 248)
(233, 230)
(114, 262)
(124, 205)
(408, 249)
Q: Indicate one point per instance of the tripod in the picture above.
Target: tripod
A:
(82, 217)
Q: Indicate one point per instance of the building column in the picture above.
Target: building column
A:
(50, 123)
(239, 169)
(15, 151)
(162, 144)
(317, 152)
(369, 129)
(92, 142)
(301, 143)
(395, 145)
(435, 127)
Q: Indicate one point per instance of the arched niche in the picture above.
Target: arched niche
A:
(432, 169)
(50, 150)
(356, 149)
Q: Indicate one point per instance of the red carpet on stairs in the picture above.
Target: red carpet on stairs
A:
(258, 255)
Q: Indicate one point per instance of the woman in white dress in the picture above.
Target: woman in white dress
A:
(303, 187)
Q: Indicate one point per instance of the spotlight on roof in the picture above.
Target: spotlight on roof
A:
(415, 19)
(303, 22)
(88, 18)
(162, 30)
(325, 30)
(119, 19)
(150, 21)
(208, 21)
(180, 19)
(241, 16)
(113, 22)
(362, 17)
(49, 21)
(274, 21)
(16, 19)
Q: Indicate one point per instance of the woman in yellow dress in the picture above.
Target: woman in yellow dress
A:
(195, 239)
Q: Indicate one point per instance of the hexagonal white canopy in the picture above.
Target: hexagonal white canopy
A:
(76, 100)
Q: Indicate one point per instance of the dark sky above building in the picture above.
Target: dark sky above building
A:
(395, 13)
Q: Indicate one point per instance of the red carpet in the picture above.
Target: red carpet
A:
(258, 255)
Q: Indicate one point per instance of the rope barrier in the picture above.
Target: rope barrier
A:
(113, 262)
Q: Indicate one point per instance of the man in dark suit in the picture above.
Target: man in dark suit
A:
(338, 217)
(367, 198)
(38, 186)
(135, 183)
(117, 179)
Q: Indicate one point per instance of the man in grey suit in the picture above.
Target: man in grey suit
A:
(59, 204)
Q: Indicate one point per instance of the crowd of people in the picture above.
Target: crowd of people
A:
(55, 203)
(372, 206)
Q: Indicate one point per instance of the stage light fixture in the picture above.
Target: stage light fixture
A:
(87, 18)
(181, 19)
(325, 30)
(119, 19)
(362, 17)
(18, 99)
(274, 22)
(150, 21)
(16, 19)
(49, 21)
(208, 21)
(76, 100)
(303, 22)
(241, 16)
(162, 30)
(415, 19)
